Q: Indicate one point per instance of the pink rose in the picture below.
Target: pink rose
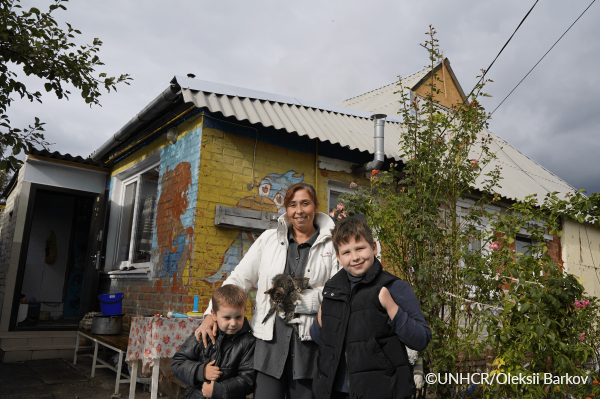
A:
(332, 214)
(340, 207)
(352, 185)
(494, 246)
(582, 337)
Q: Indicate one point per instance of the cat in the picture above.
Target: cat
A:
(285, 295)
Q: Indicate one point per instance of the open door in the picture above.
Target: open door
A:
(95, 256)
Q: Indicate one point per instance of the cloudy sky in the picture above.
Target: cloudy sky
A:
(332, 50)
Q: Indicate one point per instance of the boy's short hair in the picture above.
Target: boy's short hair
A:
(350, 228)
(228, 295)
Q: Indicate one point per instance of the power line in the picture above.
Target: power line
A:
(485, 71)
(502, 49)
(542, 57)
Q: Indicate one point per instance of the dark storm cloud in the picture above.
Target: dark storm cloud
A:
(330, 51)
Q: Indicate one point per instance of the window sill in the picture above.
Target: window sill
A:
(141, 272)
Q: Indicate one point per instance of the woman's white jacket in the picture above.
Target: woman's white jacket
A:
(266, 258)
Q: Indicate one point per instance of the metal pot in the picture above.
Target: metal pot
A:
(107, 325)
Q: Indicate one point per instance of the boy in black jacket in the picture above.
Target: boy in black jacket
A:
(223, 370)
(367, 319)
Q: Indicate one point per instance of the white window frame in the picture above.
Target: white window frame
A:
(343, 188)
(120, 181)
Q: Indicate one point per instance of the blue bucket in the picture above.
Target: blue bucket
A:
(111, 304)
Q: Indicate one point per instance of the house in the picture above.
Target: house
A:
(182, 190)
(53, 195)
(579, 247)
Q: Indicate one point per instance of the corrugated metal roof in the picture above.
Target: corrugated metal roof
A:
(345, 127)
(384, 100)
(233, 91)
(521, 176)
(353, 130)
(66, 157)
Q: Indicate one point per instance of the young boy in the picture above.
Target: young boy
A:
(366, 318)
(223, 369)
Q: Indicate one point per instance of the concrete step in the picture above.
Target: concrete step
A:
(24, 355)
(37, 334)
(37, 341)
(44, 347)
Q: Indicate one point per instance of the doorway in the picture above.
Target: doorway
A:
(52, 265)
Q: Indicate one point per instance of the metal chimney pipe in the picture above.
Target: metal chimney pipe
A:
(379, 122)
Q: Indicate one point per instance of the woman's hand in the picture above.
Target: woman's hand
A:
(208, 327)
(388, 302)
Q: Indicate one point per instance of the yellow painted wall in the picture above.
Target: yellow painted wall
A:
(452, 92)
(581, 253)
(225, 173)
(184, 129)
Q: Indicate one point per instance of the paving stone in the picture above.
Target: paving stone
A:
(54, 371)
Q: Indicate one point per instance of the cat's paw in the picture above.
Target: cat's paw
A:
(281, 314)
(297, 302)
(294, 321)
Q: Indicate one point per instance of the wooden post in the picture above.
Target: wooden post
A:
(154, 384)
(95, 357)
(76, 348)
(133, 379)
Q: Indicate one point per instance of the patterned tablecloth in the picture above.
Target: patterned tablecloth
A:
(156, 337)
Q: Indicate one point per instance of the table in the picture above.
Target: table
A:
(152, 338)
(115, 342)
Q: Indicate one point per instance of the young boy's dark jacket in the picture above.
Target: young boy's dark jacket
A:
(376, 360)
(234, 355)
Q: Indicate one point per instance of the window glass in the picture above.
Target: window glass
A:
(334, 200)
(521, 244)
(127, 221)
(474, 245)
(146, 215)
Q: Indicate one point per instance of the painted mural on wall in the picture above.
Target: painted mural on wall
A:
(271, 192)
(175, 211)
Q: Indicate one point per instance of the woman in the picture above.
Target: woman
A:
(300, 246)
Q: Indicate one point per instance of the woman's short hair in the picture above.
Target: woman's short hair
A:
(229, 296)
(301, 186)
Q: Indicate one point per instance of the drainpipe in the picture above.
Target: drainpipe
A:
(379, 121)
(166, 98)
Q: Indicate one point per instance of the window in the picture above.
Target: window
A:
(523, 245)
(336, 189)
(138, 205)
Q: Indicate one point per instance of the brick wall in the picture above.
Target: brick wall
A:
(173, 232)
(224, 176)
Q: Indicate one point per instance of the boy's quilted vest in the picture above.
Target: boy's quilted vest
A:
(355, 326)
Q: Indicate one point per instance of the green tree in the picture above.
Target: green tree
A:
(33, 42)
(479, 297)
